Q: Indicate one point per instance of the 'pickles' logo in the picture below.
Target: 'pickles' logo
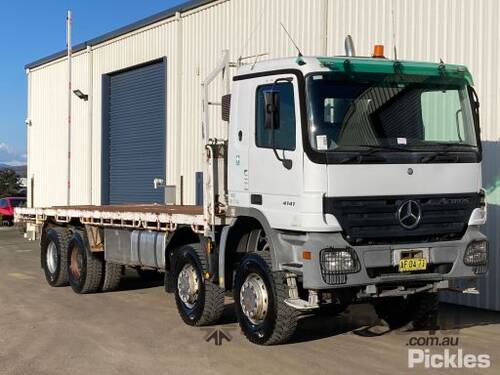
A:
(448, 358)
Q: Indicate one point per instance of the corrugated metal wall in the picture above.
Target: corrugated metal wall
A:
(244, 28)
(457, 31)
(47, 150)
(193, 43)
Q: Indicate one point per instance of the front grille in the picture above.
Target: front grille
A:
(375, 220)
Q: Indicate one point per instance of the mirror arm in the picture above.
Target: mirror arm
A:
(287, 163)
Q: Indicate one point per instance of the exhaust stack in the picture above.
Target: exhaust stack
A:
(349, 46)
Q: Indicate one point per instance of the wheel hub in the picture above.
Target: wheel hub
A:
(51, 257)
(76, 262)
(188, 285)
(254, 298)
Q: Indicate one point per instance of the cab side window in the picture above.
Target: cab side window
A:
(4, 203)
(284, 136)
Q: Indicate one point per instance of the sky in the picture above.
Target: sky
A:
(32, 29)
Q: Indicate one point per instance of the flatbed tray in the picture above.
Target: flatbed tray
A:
(147, 208)
(139, 216)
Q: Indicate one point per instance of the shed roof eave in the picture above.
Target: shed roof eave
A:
(184, 7)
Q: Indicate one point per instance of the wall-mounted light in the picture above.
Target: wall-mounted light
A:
(81, 95)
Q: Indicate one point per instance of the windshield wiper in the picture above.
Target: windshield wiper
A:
(444, 153)
(371, 149)
(441, 154)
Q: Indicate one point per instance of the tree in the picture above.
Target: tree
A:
(9, 183)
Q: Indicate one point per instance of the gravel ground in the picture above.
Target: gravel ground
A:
(136, 330)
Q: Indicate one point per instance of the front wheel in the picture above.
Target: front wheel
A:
(259, 296)
(199, 302)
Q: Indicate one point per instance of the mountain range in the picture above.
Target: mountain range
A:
(19, 169)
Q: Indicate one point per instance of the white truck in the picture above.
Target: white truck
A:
(343, 179)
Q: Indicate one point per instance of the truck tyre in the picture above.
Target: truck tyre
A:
(259, 296)
(84, 268)
(112, 276)
(54, 255)
(421, 310)
(199, 301)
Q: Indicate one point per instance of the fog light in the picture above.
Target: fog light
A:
(336, 263)
(476, 254)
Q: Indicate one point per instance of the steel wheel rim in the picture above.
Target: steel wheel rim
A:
(76, 263)
(52, 257)
(188, 285)
(254, 299)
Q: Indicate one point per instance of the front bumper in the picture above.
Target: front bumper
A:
(376, 262)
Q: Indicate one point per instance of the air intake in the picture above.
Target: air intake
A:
(349, 46)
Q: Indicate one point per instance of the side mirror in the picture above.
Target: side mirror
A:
(272, 109)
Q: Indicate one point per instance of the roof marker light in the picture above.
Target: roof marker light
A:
(378, 51)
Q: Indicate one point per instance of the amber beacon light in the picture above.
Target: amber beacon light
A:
(378, 51)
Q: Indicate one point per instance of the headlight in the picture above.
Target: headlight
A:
(476, 253)
(336, 263)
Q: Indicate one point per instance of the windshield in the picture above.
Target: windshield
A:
(419, 114)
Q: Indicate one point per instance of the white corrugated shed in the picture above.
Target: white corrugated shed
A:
(456, 31)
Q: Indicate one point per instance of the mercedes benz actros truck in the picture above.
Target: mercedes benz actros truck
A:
(342, 179)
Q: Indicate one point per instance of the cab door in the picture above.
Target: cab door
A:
(275, 151)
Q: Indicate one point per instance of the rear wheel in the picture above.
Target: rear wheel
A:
(112, 276)
(259, 296)
(421, 310)
(84, 268)
(199, 302)
(54, 256)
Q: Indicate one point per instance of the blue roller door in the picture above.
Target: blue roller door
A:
(135, 139)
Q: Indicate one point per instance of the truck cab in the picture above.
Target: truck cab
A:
(342, 180)
(365, 173)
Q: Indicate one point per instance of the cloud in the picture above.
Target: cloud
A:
(14, 163)
(10, 156)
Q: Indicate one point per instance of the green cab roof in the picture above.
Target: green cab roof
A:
(384, 66)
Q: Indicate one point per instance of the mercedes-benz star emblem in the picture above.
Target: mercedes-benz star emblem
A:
(409, 214)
